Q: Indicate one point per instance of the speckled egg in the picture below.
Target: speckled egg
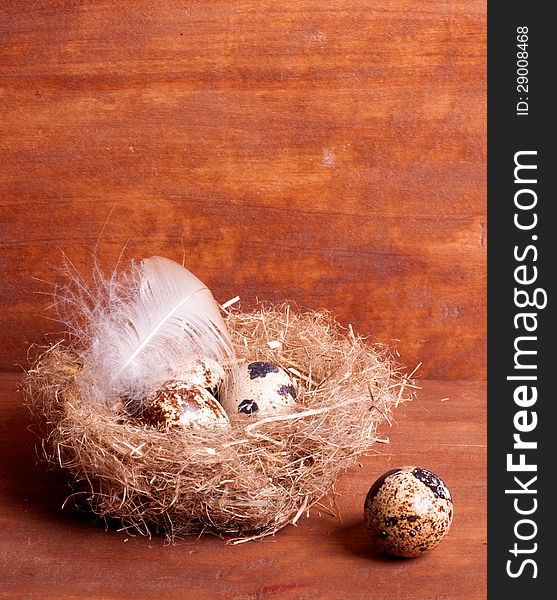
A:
(408, 511)
(202, 371)
(260, 389)
(178, 403)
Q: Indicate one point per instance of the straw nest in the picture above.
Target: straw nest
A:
(250, 481)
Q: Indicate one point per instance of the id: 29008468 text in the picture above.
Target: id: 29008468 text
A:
(522, 84)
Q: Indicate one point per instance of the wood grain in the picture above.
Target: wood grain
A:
(52, 554)
(328, 153)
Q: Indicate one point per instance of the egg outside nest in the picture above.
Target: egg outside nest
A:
(408, 511)
(182, 404)
(259, 389)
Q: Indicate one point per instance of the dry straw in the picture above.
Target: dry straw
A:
(250, 481)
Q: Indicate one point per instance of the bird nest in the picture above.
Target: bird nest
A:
(248, 481)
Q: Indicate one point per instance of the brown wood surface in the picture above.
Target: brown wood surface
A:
(328, 153)
(50, 554)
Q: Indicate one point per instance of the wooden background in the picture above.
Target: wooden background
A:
(330, 153)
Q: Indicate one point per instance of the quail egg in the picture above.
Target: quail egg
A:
(260, 389)
(408, 511)
(179, 403)
(202, 371)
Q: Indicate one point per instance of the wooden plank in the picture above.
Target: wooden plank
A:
(52, 554)
(332, 154)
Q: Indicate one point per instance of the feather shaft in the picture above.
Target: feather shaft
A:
(173, 311)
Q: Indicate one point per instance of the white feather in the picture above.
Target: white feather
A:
(154, 319)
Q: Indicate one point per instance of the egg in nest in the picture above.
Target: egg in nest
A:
(259, 389)
(202, 371)
(179, 403)
(408, 511)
